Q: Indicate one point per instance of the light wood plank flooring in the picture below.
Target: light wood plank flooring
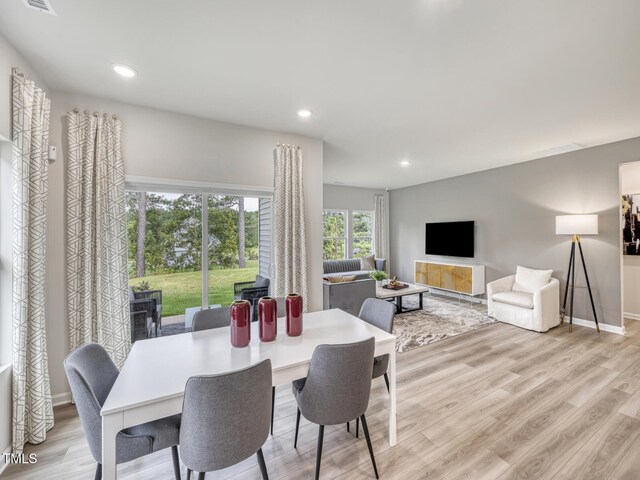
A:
(497, 403)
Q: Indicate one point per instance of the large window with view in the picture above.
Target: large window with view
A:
(362, 234)
(335, 235)
(172, 235)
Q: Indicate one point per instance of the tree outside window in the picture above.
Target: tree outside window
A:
(362, 236)
(334, 235)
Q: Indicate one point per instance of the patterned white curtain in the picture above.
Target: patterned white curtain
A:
(290, 249)
(97, 299)
(32, 406)
(380, 233)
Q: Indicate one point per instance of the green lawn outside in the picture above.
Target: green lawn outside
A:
(183, 290)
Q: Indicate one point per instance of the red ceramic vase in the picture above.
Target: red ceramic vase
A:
(268, 319)
(294, 314)
(240, 323)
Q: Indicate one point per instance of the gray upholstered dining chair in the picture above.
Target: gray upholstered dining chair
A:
(225, 419)
(211, 318)
(91, 374)
(336, 390)
(378, 313)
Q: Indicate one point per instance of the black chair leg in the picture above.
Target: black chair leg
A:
(202, 474)
(188, 474)
(99, 472)
(357, 427)
(176, 461)
(348, 426)
(319, 451)
(273, 404)
(263, 466)
(386, 380)
(295, 440)
(366, 435)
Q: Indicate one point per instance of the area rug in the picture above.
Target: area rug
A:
(438, 320)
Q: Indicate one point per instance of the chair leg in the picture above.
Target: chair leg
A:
(202, 474)
(295, 440)
(263, 466)
(348, 426)
(366, 435)
(319, 451)
(188, 474)
(386, 380)
(99, 472)
(176, 462)
(273, 404)
(357, 427)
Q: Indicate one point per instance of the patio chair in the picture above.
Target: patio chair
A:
(157, 295)
(141, 319)
(251, 289)
(143, 315)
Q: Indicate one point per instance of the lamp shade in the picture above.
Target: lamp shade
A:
(577, 224)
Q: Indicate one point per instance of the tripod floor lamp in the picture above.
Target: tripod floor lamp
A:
(576, 225)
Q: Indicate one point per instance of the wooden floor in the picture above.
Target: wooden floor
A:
(496, 403)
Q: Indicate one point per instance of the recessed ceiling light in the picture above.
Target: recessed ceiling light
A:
(304, 113)
(405, 163)
(124, 70)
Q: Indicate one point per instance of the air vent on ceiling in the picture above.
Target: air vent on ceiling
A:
(40, 5)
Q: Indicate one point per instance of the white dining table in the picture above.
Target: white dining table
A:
(152, 381)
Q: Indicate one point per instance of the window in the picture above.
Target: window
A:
(362, 234)
(334, 235)
(166, 250)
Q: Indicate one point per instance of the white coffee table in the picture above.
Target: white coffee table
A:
(411, 289)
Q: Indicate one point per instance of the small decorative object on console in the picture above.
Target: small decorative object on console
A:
(240, 325)
(268, 319)
(294, 314)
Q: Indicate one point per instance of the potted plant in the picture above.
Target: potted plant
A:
(379, 276)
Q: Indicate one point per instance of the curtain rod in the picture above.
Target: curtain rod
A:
(95, 114)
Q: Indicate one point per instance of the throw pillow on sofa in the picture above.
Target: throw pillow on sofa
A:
(340, 278)
(529, 280)
(368, 263)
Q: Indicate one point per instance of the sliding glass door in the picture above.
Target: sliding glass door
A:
(233, 226)
(165, 249)
(171, 236)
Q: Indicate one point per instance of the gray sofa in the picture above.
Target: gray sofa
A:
(348, 296)
(350, 267)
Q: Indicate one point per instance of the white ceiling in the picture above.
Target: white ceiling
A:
(453, 86)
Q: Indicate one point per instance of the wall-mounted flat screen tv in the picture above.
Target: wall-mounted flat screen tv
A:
(453, 239)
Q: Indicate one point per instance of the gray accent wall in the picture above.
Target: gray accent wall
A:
(342, 197)
(514, 208)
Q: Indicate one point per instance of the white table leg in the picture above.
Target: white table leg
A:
(111, 425)
(392, 398)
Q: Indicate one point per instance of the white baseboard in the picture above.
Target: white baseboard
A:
(632, 316)
(61, 399)
(3, 463)
(591, 324)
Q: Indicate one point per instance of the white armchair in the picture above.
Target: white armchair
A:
(530, 299)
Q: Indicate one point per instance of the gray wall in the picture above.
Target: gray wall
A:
(514, 208)
(341, 197)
